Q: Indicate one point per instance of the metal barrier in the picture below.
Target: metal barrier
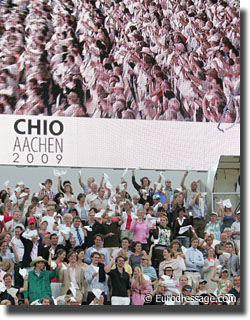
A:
(227, 194)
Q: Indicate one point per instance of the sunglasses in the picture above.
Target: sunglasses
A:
(188, 290)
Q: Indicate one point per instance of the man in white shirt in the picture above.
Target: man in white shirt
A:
(93, 193)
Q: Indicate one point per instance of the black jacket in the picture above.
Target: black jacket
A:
(28, 245)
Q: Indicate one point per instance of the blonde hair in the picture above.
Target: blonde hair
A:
(67, 215)
(140, 279)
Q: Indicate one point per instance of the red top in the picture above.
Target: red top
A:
(5, 219)
(129, 220)
(55, 279)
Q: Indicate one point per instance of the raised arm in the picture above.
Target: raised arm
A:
(183, 181)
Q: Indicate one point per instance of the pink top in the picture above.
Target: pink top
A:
(138, 299)
(140, 230)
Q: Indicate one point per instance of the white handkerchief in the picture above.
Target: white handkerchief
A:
(53, 265)
(38, 215)
(6, 183)
(41, 186)
(18, 189)
(105, 178)
(20, 183)
(99, 214)
(23, 272)
(220, 202)
(138, 168)
(23, 194)
(72, 289)
(184, 229)
(124, 172)
(80, 173)
(109, 185)
(33, 233)
(1, 218)
(188, 168)
(55, 301)
(58, 173)
(2, 287)
(121, 187)
(165, 278)
(36, 303)
(97, 293)
(63, 201)
(96, 268)
(162, 177)
(219, 267)
(178, 189)
(158, 186)
(111, 213)
(203, 194)
(227, 203)
(226, 254)
(88, 228)
(146, 277)
(156, 241)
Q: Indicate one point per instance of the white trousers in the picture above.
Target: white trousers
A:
(120, 301)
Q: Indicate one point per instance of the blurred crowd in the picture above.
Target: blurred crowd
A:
(141, 59)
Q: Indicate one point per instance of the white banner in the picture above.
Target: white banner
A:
(113, 143)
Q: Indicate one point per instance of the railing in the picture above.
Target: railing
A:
(224, 193)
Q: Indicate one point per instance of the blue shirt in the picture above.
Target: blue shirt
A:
(162, 196)
(87, 258)
(197, 211)
(74, 235)
(150, 271)
(194, 259)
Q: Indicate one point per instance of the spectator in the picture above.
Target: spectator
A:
(194, 262)
(135, 258)
(128, 215)
(182, 221)
(124, 249)
(236, 287)
(162, 236)
(38, 281)
(199, 211)
(97, 247)
(139, 287)
(230, 261)
(111, 233)
(95, 227)
(96, 278)
(223, 284)
(213, 226)
(119, 282)
(72, 276)
(140, 229)
(78, 232)
(226, 215)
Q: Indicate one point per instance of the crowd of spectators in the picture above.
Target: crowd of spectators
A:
(130, 59)
(107, 246)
